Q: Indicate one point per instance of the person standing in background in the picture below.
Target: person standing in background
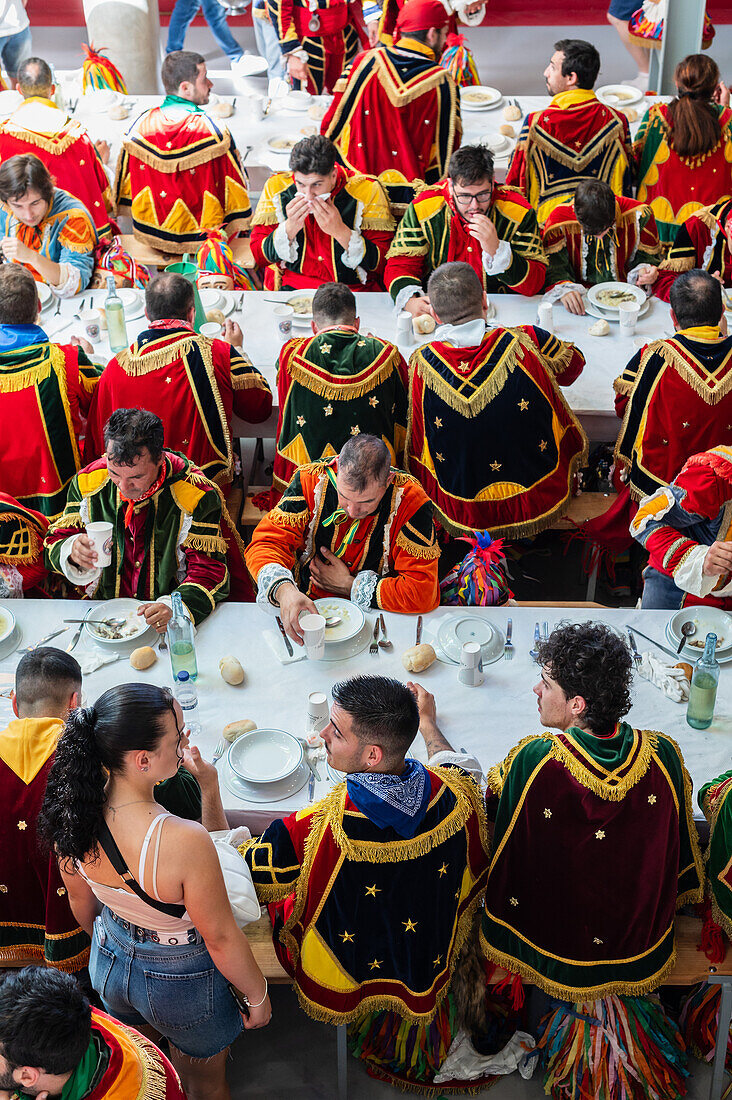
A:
(15, 36)
(618, 15)
(183, 14)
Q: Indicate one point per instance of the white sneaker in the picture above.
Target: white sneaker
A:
(640, 81)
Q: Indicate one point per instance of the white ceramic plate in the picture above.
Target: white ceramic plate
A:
(707, 619)
(459, 629)
(265, 756)
(101, 99)
(295, 101)
(249, 64)
(115, 609)
(7, 623)
(332, 775)
(283, 144)
(594, 295)
(618, 95)
(499, 144)
(301, 318)
(269, 792)
(132, 301)
(490, 651)
(343, 651)
(692, 655)
(45, 297)
(480, 97)
(11, 642)
(352, 618)
(9, 100)
(613, 316)
(211, 299)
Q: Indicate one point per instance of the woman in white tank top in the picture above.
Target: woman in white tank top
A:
(165, 948)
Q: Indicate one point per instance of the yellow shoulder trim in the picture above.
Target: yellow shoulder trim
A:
(512, 210)
(92, 481)
(426, 208)
(186, 495)
(277, 183)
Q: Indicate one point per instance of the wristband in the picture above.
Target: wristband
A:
(273, 590)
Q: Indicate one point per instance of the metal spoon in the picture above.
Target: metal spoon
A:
(100, 622)
(332, 620)
(384, 643)
(687, 629)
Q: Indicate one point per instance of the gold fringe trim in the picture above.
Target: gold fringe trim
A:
(166, 247)
(569, 160)
(399, 250)
(724, 922)
(600, 787)
(153, 1085)
(568, 993)
(207, 544)
(23, 379)
(138, 365)
(289, 519)
(690, 896)
(559, 362)
(250, 382)
(423, 552)
(624, 387)
(54, 145)
(302, 372)
(674, 360)
(63, 521)
(384, 224)
(435, 1090)
(482, 395)
(190, 160)
(494, 779)
(677, 265)
(27, 952)
(82, 249)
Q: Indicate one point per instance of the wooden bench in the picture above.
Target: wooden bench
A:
(692, 966)
(152, 257)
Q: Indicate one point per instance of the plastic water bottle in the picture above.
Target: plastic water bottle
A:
(180, 641)
(187, 696)
(115, 313)
(704, 682)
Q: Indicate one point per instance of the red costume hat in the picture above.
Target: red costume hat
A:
(420, 15)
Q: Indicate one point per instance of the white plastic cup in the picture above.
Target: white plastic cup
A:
(628, 317)
(313, 629)
(91, 320)
(546, 316)
(470, 672)
(254, 107)
(318, 712)
(283, 316)
(212, 329)
(100, 534)
(405, 335)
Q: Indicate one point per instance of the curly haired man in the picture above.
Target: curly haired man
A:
(595, 849)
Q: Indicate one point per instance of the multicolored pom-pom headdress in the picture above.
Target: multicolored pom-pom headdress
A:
(216, 258)
(100, 72)
(116, 261)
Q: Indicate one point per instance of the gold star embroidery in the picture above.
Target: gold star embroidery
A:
(437, 961)
(375, 964)
(410, 925)
(168, 379)
(373, 402)
(3, 889)
(523, 404)
(300, 420)
(439, 457)
(163, 194)
(328, 410)
(372, 891)
(325, 348)
(547, 813)
(514, 901)
(543, 445)
(463, 364)
(347, 937)
(361, 344)
(597, 940)
(438, 422)
(443, 870)
(685, 424)
(355, 430)
(600, 834)
(61, 891)
(22, 826)
(652, 799)
(495, 466)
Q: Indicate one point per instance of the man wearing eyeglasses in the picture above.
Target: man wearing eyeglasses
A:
(466, 217)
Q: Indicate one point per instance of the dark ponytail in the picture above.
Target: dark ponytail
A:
(695, 129)
(127, 718)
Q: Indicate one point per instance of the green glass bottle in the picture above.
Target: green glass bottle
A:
(704, 682)
(180, 642)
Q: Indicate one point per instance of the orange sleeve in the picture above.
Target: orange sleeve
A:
(280, 535)
(413, 586)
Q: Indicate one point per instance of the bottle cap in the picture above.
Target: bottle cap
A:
(183, 675)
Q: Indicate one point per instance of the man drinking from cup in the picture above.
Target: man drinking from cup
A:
(351, 526)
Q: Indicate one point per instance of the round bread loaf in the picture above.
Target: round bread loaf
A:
(236, 729)
(423, 324)
(600, 328)
(118, 112)
(143, 657)
(231, 670)
(687, 669)
(222, 110)
(511, 112)
(418, 657)
(506, 130)
(216, 316)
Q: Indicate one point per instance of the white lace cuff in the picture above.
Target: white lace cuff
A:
(286, 250)
(500, 261)
(690, 575)
(268, 575)
(364, 589)
(70, 282)
(71, 571)
(404, 295)
(632, 277)
(557, 292)
(464, 760)
(355, 252)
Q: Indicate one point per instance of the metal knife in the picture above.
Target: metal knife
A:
(311, 787)
(633, 646)
(658, 645)
(313, 770)
(288, 643)
(419, 630)
(46, 638)
(75, 640)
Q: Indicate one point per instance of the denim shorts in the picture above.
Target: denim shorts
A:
(624, 9)
(175, 989)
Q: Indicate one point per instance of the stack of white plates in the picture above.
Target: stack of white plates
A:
(706, 620)
(448, 634)
(598, 308)
(479, 97)
(618, 95)
(9, 632)
(350, 635)
(265, 765)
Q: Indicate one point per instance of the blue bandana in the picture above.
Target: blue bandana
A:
(392, 801)
(21, 336)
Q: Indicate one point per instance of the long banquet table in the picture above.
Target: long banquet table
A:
(486, 721)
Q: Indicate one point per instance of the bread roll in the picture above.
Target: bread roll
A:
(216, 316)
(507, 130)
(418, 657)
(688, 669)
(222, 110)
(118, 112)
(231, 670)
(511, 112)
(236, 729)
(600, 328)
(143, 657)
(318, 111)
(423, 324)
(631, 114)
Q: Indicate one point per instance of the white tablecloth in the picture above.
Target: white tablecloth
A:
(487, 721)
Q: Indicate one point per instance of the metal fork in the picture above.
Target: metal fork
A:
(374, 647)
(219, 750)
(534, 653)
(508, 649)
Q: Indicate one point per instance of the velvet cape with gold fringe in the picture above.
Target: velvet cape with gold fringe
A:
(700, 242)
(574, 903)
(130, 1067)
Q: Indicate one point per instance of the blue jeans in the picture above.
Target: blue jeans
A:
(268, 46)
(183, 14)
(14, 48)
(175, 989)
(659, 591)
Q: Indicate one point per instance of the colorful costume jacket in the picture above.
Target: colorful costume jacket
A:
(433, 232)
(700, 242)
(22, 532)
(675, 398)
(38, 126)
(195, 385)
(371, 920)
(172, 542)
(467, 408)
(574, 904)
(392, 554)
(676, 187)
(121, 1064)
(66, 235)
(332, 386)
(575, 138)
(314, 257)
(417, 106)
(45, 391)
(678, 524)
(330, 34)
(36, 922)
(713, 800)
(179, 174)
(576, 258)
